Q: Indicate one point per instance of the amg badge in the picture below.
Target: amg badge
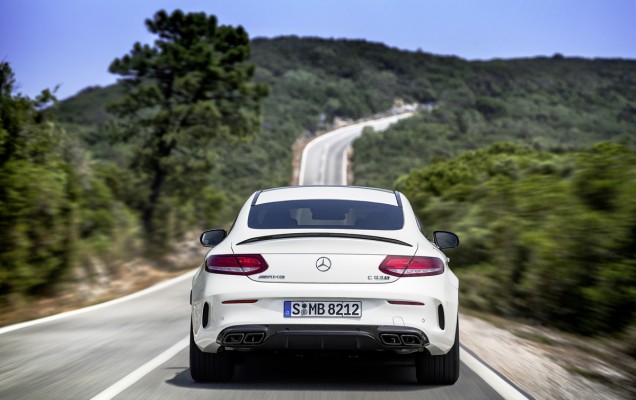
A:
(271, 277)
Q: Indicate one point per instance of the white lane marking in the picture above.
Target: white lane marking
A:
(506, 390)
(67, 314)
(142, 371)
(303, 162)
(502, 387)
(306, 150)
(344, 164)
(322, 176)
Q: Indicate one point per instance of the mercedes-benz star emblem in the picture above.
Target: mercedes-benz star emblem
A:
(323, 264)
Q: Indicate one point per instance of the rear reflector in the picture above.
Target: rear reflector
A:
(405, 266)
(406, 303)
(249, 301)
(236, 264)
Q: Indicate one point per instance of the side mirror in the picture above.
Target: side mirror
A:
(445, 240)
(212, 237)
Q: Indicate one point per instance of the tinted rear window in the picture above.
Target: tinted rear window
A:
(326, 214)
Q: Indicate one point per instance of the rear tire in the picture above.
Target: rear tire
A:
(210, 367)
(439, 370)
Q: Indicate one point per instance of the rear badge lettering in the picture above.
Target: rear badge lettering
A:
(378, 277)
(271, 277)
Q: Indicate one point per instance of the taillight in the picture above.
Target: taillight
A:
(405, 266)
(236, 264)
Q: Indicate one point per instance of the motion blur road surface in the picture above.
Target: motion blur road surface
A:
(80, 356)
(137, 348)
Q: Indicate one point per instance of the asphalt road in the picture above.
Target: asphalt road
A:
(137, 348)
(81, 356)
(324, 157)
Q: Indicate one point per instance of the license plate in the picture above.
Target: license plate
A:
(336, 309)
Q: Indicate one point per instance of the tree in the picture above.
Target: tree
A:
(36, 212)
(192, 86)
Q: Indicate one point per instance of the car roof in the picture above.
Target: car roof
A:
(327, 192)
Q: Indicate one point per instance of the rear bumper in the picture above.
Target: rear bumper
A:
(211, 316)
(295, 337)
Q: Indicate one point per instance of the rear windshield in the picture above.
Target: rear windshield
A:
(331, 214)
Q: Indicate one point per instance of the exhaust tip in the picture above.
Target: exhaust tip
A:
(254, 338)
(411, 340)
(233, 338)
(390, 339)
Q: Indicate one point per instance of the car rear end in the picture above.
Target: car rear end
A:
(325, 269)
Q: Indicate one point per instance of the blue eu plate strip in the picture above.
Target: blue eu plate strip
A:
(287, 309)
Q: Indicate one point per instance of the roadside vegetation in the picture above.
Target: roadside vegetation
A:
(546, 237)
(125, 174)
(531, 161)
(56, 208)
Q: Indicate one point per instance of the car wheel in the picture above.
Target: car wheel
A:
(439, 370)
(209, 367)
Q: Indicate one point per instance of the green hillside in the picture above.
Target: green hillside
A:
(308, 77)
(554, 103)
(545, 236)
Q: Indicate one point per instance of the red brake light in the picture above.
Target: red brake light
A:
(236, 264)
(405, 266)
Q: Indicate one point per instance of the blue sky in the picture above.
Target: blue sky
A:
(72, 42)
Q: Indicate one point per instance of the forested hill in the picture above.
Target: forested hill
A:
(554, 102)
(352, 78)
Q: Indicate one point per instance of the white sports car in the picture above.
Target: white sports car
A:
(325, 269)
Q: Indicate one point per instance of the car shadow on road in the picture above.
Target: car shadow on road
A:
(317, 373)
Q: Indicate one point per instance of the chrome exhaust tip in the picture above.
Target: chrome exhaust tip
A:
(254, 338)
(233, 338)
(411, 340)
(390, 339)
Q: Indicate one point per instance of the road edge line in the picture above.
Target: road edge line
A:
(130, 379)
(66, 314)
(506, 389)
(345, 164)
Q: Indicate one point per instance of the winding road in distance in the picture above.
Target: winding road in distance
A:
(324, 158)
(136, 347)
